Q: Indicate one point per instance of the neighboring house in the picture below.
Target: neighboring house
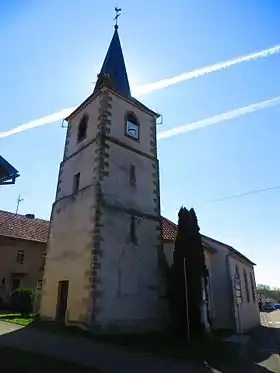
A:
(8, 173)
(22, 251)
(231, 287)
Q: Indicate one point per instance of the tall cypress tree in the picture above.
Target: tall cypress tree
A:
(196, 273)
(188, 247)
(177, 281)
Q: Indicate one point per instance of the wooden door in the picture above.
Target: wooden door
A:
(62, 297)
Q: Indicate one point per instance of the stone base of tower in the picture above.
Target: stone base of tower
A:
(114, 326)
(121, 318)
(157, 322)
(133, 326)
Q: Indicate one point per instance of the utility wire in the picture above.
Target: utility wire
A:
(233, 196)
(239, 195)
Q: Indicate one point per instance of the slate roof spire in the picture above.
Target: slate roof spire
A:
(113, 72)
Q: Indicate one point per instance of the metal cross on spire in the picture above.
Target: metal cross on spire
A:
(117, 10)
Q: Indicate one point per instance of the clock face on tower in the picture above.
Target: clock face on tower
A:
(132, 130)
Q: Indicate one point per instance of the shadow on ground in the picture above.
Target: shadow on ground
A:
(148, 353)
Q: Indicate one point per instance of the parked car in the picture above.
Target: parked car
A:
(277, 306)
(268, 307)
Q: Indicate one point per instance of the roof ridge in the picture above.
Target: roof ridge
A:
(230, 248)
(215, 240)
(22, 227)
(23, 216)
(170, 221)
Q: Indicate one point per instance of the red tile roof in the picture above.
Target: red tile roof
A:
(20, 226)
(33, 229)
(169, 232)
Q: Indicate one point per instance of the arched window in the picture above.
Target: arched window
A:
(132, 128)
(246, 285)
(133, 237)
(237, 285)
(253, 288)
(82, 129)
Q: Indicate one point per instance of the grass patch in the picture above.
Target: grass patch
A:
(14, 361)
(17, 318)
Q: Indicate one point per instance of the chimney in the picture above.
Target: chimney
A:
(30, 216)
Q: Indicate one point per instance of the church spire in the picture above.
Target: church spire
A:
(113, 72)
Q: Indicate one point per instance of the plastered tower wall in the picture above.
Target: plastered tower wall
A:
(113, 282)
(128, 272)
(70, 243)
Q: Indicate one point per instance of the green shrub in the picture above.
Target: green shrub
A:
(22, 301)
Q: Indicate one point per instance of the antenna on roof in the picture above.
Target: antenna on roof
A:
(19, 200)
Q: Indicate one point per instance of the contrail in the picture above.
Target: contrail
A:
(163, 83)
(219, 118)
(38, 122)
(151, 87)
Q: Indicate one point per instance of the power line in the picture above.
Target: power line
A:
(239, 195)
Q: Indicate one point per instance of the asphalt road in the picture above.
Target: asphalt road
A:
(265, 357)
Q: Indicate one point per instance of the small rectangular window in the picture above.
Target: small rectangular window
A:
(76, 183)
(20, 256)
(133, 237)
(246, 285)
(132, 175)
(42, 261)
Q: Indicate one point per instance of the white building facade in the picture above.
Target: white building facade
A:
(233, 303)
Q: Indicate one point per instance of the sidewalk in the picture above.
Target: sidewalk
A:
(106, 358)
(264, 347)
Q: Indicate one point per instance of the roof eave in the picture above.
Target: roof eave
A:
(90, 98)
(210, 248)
(168, 240)
(87, 101)
(230, 248)
(234, 253)
(23, 238)
(10, 173)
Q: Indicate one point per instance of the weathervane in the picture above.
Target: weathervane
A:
(117, 10)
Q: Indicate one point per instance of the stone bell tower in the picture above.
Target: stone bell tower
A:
(102, 267)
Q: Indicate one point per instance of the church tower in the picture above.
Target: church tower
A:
(102, 262)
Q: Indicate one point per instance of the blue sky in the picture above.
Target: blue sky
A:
(51, 52)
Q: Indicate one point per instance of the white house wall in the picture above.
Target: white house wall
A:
(248, 310)
(221, 293)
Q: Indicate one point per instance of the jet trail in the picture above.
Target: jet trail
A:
(151, 87)
(164, 83)
(59, 115)
(219, 118)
